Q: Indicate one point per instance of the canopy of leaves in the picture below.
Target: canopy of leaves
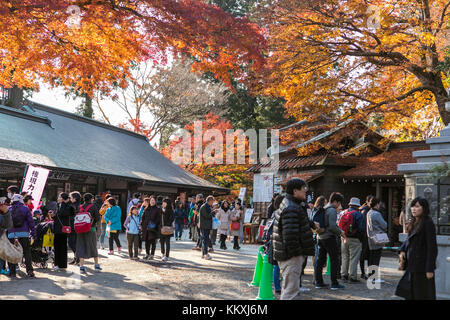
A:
(232, 176)
(40, 40)
(366, 60)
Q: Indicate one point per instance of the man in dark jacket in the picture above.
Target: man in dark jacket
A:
(206, 216)
(292, 237)
(327, 244)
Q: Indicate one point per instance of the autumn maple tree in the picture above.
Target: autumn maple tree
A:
(375, 61)
(95, 53)
(232, 176)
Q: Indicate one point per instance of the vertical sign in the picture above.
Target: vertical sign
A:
(262, 187)
(34, 183)
(242, 194)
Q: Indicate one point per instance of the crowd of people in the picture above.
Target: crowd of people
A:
(348, 234)
(349, 237)
(82, 223)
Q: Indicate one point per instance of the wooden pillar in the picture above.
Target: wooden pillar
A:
(378, 193)
(389, 211)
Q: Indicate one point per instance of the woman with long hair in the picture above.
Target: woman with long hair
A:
(375, 224)
(150, 226)
(62, 216)
(420, 251)
(223, 214)
(237, 216)
(167, 218)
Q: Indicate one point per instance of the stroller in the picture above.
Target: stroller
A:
(41, 256)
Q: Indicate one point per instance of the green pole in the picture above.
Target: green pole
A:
(328, 267)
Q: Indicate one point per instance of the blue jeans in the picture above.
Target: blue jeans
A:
(276, 277)
(205, 241)
(179, 230)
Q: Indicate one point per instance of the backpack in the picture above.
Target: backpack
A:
(348, 223)
(83, 220)
(319, 216)
(18, 218)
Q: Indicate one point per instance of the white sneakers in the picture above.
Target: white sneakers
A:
(206, 257)
(164, 259)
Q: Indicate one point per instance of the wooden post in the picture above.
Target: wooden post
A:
(378, 193)
(389, 210)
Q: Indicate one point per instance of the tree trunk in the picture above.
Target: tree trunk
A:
(86, 109)
(15, 97)
(441, 99)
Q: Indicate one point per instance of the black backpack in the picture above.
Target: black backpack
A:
(18, 218)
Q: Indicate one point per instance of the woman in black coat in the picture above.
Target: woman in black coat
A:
(61, 218)
(167, 218)
(420, 251)
(151, 215)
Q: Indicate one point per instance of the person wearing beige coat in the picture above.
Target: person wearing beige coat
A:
(223, 214)
(237, 215)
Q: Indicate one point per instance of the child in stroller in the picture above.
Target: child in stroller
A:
(40, 256)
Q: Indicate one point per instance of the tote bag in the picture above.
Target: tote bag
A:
(10, 252)
(49, 239)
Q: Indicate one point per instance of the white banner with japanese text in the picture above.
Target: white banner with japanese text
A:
(34, 183)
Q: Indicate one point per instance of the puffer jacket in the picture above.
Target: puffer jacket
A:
(292, 235)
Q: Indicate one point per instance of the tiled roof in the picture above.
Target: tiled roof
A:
(292, 163)
(307, 176)
(384, 164)
(67, 141)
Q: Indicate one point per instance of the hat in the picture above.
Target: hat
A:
(3, 201)
(17, 198)
(355, 202)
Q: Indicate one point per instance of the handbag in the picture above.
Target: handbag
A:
(107, 231)
(404, 287)
(10, 252)
(65, 229)
(235, 225)
(380, 239)
(49, 239)
(166, 230)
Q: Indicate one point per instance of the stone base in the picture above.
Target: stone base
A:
(443, 268)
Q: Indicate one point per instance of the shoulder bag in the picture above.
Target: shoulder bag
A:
(10, 252)
(166, 230)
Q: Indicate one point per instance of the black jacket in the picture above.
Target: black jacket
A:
(151, 214)
(64, 215)
(292, 235)
(168, 217)
(206, 216)
(421, 248)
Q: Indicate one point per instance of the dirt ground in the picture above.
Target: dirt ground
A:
(186, 276)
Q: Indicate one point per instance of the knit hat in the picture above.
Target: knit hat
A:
(17, 198)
